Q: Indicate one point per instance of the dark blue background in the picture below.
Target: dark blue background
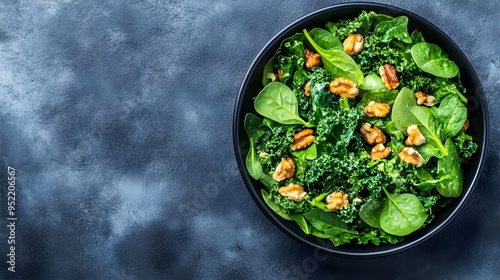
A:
(117, 117)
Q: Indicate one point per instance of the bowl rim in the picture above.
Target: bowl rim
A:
(255, 194)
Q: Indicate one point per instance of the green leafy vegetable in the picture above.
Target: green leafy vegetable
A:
(370, 211)
(277, 102)
(452, 114)
(275, 207)
(337, 62)
(406, 112)
(396, 28)
(431, 59)
(325, 39)
(253, 165)
(326, 222)
(450, 165)
(402, 214)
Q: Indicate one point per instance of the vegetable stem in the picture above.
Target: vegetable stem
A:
(467, 137)
(344, 103)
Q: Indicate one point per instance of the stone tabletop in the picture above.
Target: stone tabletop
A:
(117, 118)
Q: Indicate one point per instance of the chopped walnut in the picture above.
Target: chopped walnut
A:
(307, 88)
(379, 152)
(284, 170)
(353, 44)
(344, 87)
(389, 77)
(336, 200)
(293, 192)
(426, 99)
(280, 74)
(372, 135)
(411, 156)
(466, 125)
(375, 109)
(302, 139)
(415, 137)
(312, 59)
(271, 76)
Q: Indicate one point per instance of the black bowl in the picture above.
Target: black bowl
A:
(252, 84)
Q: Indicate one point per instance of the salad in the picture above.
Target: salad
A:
(360, 130)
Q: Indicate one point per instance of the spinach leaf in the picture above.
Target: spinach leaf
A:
(430, 58)
(450, 165)
(268, 181)
(337, 62)
(428, 151)
(302, 222)
(370, 211)
(406, 112)
(325, 39)
(372, 83)
(402, 214)
(275, 207)
(417, 37)
(427, 182)
(445, 88)
(253, 126)
(277, 102)
(252, 162)
(452, 114)
(396, 28)
(326, 222)
(308, 153)
(382, 96)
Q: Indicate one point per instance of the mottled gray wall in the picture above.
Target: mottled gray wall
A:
(117, 116)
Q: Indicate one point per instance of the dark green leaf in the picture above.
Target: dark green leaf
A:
(430, 58)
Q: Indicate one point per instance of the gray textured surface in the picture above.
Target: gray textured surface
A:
(117, 116)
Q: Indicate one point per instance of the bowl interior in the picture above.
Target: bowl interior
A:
(478, 119)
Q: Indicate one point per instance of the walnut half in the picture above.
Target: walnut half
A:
(336, 200)
(293, 192)
(415, 137)
(284, 170)
(353, 44)
(344, 87)
(375, 109)
(379, 152)
(302, 139)
(389, 76)
(372, 135)
(312, 59)
(411, 156)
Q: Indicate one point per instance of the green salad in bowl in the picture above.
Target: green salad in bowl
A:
(360, 130)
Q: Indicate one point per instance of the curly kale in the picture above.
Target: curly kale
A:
(466, 147)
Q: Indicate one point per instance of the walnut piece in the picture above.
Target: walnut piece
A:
(415, 137)
(344, 87)
(336, 200)
(302, 139)
(375, 109)
(411, 156)
(379, 152)
(426, 99)
(372, 135)
(293, 192)
(389, 76)
(307, 88)
(353, 44)
(271, 76)
(284, 170)
(280, 74)
(312, 59)
(466, 125)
